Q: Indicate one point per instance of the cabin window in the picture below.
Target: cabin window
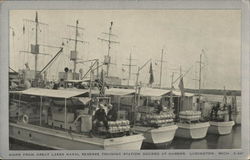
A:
(30, 135)
(18, 132)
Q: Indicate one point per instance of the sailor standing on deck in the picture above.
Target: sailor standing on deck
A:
(159, 107)
(229, 107)
(27, 84)
(100, 116)
(112, 113)
(214, 112)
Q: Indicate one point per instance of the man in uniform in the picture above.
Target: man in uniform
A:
(100, 116)
(230, 112)
(214, 112)
(112, 113)
(158, 106)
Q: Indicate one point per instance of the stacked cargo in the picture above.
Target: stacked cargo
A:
(189, 116)
(153, 119)
(118, 126)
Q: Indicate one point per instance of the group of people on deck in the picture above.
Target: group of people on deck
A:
(104, 113)
(217, 107)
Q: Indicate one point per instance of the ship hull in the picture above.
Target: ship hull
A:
(157, 135)
(237, 118)
(57, 139)
(220, 128)
(192, 130)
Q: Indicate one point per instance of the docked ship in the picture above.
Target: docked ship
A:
(35, 118)
(190, 125)
(236, 114)
(156, 126)
(155, 118)
(221, 121)
(187, 118)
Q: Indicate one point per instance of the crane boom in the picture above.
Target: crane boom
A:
(51, 61)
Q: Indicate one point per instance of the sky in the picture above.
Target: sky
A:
(182, 34)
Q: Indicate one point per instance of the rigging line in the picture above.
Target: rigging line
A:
(89, 69)
(183, 75)
(49, 46)
(13, 70)
(51, 61)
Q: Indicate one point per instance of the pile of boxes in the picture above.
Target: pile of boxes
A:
(118, 126)
(154, 119)
(190, 115)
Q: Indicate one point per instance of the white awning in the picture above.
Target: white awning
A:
(63, 93)
(153, 92)
(119, 91)
(84, 100)
(75, 81)
(178, 93)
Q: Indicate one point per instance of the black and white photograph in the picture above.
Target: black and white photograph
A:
(124, 79)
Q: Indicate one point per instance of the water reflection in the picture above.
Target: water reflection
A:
(155, 146)
(232, 140)
(181, 143)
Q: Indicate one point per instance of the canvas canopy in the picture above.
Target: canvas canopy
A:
(152, 92)
(53, 93)
(119, 91)
(75, 81)
(84, 100)
(178, 93)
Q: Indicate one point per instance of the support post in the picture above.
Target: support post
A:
(97, 68)
(41, 99)
(65, 114)
(90, 82)
(19, 106)
(147, 101)
(119, 104)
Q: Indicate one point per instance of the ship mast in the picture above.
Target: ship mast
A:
(137, 80)
(36, 55)
(74, 60)
(130, 65)
(109, 42)
(171, 90)
(35, 47)
(137, 88)
(74, 53)
(161, 65)
(107, 58)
